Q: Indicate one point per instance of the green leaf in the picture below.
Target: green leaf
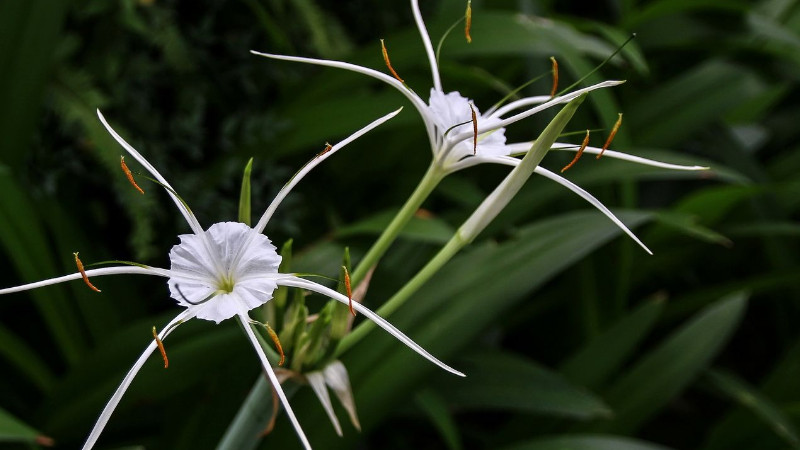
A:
(14, 430)
(752, 399)
(503, 381)
(603, 355)
(435, 407)
(586, 442)
(423, 229)
(665, 371)
(245, 197)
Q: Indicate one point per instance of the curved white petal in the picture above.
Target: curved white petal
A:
(626, 157)
(495, 124)
(339, 381)
(294, 281)
(317, 382)
(105, 415)
(187, 214)
(418, 103)
(426, 41)
(262, 223)
(133, 270)
(245, 320)
(527, 101)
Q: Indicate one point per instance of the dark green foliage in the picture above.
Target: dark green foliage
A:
(607, 347)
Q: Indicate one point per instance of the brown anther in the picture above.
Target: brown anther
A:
(129, 174)
(83, 273)
(327, 148)
(555, 77)
(474, 130)
(611, 136)
(580, 152)
(389, 63)
(468, 20)
(349, 290)
(277, 342)
(161, 348)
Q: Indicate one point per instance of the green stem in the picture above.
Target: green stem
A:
(456, 243)
(429, 181)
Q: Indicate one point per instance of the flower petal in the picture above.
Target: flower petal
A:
(133, 270)
(339, 381)
(187, 214)
(294, 281)
(317, 382)
(262, 223)
(245, 320)
(626, 157)
(105, 415)
(426, 41)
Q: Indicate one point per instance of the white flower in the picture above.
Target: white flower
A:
(221, 273)
(452, 134)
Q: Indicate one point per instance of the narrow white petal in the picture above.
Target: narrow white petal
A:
(592, 200)
(134, 270)
(339, 381)
(262, 223)
(626, 157)
(273, 379)
(187, 214)
(317, 382)
(310, 285)
(527, 101)
(493, 125)
(105, 415)
(426, 41)
(415, 100)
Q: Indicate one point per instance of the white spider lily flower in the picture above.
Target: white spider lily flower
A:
(221, 273)
(459, 140)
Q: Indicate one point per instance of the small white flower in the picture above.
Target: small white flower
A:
(452, 133)
(221, 273)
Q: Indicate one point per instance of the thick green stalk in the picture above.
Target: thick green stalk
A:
(429, 181)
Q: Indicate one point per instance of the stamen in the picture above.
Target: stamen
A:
(129, 174)
(271, 425)
(611, 136)
(277, 343)
(178, 288)
(83, 273)
(578, 155)
(349, 290)
(474, 130)
(389, 63)
(468, 26)
(555, 77)
(327, 148)
(161, 347)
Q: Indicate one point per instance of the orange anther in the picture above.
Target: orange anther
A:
(468, 19)
(389, 63)
(349, 290)
(277, 343)
(555, 77)
(83, 273)
(129, 174)
(611, 136)
(327, 148)
(580, 152)
(474, 130)
(161, 348)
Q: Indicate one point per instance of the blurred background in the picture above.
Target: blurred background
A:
(571, 336)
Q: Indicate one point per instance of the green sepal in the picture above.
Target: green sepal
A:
(311, 346)
(294, 323)
(245, 211)
(340, 323)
